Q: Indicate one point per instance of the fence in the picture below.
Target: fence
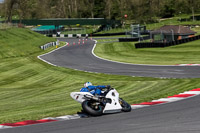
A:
(167, 44)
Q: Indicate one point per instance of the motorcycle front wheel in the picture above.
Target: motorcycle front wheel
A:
(125, 106)
(91, 109)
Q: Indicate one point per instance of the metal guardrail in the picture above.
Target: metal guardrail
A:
(51, 44)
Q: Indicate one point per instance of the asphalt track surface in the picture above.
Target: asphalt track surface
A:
(80, 57)
(176, 117)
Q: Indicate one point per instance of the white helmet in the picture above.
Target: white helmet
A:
(87, 84)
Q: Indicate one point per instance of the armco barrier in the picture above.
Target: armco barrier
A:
(165, 44)
(48, 45)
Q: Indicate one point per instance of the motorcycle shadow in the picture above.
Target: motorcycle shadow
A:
(83, 114)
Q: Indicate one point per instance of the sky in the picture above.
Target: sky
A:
(1, 1)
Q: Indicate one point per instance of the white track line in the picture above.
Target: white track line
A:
(39, 57)
(137, 64)
(191, 92)
(139, 106)
(168, 100)
(4, 127)
(123, 62)
(188, 64)
(173, 99)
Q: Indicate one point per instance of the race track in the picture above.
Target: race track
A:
(80, 57)
(176, 117)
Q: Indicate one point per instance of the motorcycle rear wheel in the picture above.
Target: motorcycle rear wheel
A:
(87, 107)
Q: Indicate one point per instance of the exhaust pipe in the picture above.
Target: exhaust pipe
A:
(93, 98)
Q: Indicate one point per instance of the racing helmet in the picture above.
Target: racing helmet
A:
(87, 84)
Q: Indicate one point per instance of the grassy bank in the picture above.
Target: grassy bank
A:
(32, 89)
(187, 53)
(16, 42)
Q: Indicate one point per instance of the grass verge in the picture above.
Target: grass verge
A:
(187, 53)
(31, 89)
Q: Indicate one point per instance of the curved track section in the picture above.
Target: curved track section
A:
(80, 57)
(181, 116)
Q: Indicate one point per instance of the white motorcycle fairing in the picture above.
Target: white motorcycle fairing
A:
(112, 107)
(80, 96)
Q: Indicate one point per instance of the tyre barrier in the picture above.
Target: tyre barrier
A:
(166, 44)
(51, 44)
(128, 39)
(108, 34)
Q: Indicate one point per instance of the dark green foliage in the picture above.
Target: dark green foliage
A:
(169, 9)
(99, 7)
(142, 11)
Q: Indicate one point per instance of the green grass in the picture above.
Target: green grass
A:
(16, 42)
(31, 89)
(106, 40)
(187, 53)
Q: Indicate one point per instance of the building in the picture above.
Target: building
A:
(170, 33)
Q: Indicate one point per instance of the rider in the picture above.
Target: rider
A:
(94, 90)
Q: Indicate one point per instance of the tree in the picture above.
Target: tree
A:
(107, 11)
(9, 4)
(169, 9)
(23, 8)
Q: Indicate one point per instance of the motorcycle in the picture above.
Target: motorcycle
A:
(108, 102)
